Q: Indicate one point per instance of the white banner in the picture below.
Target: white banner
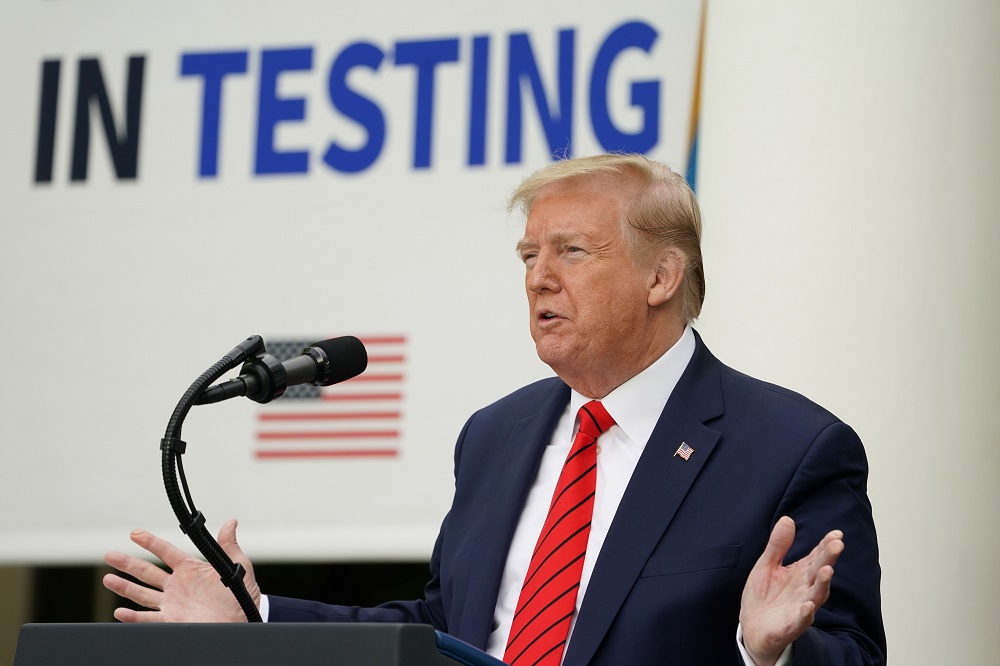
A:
(178, 177)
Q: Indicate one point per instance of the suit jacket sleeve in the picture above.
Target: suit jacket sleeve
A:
(828, 491)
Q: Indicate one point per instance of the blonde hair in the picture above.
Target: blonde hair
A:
(663, 213)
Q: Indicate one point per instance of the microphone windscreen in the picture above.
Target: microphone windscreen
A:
(348, 358)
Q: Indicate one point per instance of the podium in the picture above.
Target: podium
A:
(113, 644)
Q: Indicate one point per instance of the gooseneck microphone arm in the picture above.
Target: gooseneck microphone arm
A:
(263, 378)
(192, 521)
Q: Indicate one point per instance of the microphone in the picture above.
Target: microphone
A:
(264, 378)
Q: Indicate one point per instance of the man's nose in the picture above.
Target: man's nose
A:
(542, 276)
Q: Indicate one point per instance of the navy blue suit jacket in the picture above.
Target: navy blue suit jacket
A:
(666, 587)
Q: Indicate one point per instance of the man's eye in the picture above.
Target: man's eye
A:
(573, 248)
(528, 256)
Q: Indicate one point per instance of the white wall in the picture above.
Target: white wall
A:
(850, 153)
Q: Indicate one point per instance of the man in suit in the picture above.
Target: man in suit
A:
(696, 473)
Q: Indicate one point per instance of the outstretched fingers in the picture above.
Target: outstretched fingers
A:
(823, 557)
(129, 615)
(170, 554)
(140, 569)
(780, 601)
(819, 569)
(190, 591)
(144, 596)
(145, 572)
(831, 547)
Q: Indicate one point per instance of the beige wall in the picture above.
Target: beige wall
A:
(859, 141)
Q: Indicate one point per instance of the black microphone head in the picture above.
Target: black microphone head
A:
(342, 358)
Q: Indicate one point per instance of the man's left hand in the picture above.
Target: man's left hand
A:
(780, 602)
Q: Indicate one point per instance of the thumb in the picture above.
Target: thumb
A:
(227, 539)
(781, 540)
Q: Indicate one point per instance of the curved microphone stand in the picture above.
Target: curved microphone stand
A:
(192, 522)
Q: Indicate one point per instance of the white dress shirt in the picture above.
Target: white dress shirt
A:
(635, 406)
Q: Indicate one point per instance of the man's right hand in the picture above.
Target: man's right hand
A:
(191, 592)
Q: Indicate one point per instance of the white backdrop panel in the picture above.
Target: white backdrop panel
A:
(118, 293)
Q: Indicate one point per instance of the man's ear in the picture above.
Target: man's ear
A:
(668, 278)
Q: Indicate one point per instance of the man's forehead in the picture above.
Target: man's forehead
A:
(577, 198)
(573, 211)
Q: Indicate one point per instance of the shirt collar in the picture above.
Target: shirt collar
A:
(637, 404)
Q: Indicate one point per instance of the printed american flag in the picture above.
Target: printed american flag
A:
(684, 451)
(358, 418)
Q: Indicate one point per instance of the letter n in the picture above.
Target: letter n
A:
(123, 145)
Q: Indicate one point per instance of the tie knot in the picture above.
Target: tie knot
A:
(594, 419)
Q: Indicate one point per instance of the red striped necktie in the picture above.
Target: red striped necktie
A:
(548, 597)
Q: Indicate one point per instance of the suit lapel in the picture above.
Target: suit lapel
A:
(658, 486)
(516, 468)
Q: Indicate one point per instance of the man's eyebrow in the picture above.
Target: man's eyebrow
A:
(523, 245)
(554, 238)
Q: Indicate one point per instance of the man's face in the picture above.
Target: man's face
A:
(588, 301)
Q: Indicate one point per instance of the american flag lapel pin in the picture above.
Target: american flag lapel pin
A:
(684, 451)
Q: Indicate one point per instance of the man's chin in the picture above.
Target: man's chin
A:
(551, 355)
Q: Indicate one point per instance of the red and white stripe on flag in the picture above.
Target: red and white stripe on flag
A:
(361, 417)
